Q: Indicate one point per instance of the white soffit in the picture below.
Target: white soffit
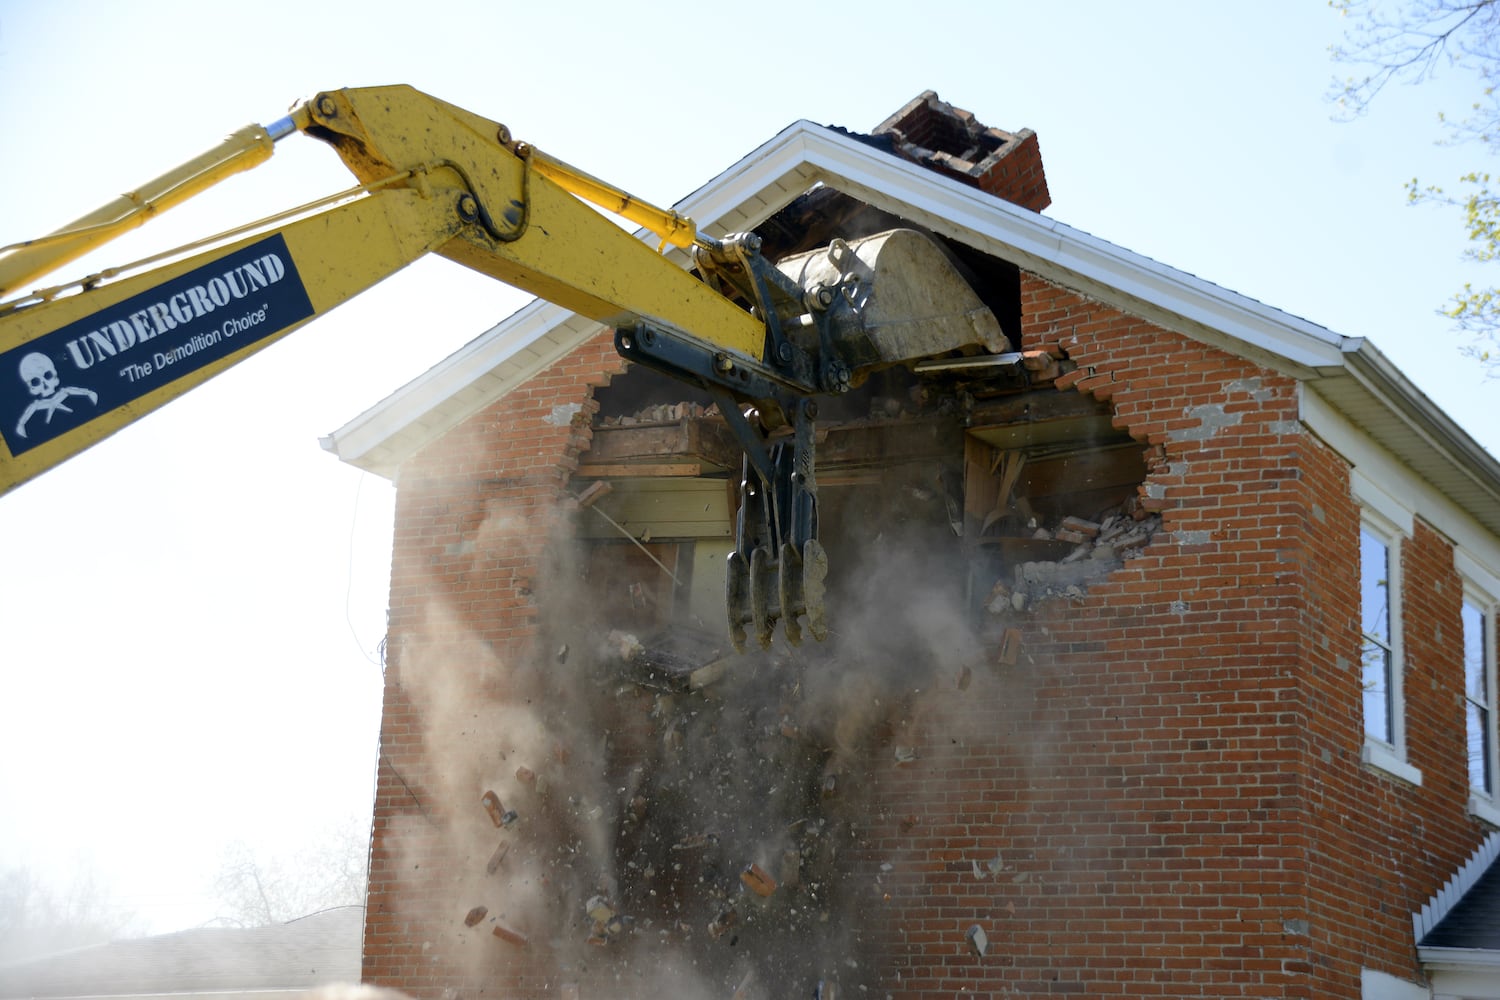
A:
(1349, 372)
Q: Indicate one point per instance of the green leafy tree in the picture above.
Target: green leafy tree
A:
(1410, 42)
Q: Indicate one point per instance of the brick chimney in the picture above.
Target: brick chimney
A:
(951, 141)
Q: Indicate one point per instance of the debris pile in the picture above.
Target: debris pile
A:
(734, 786)
(660, 413)
(1093, 550)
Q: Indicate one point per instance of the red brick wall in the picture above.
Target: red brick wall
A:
(1134, 774)
(1163, 796)
(1379, 847)
(473, 514)
(1018, 177)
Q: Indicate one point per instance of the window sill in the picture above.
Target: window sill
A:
(1485, 809)
(1385, 758)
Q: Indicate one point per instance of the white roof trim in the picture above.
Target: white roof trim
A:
(1057, 251)
(782, 168)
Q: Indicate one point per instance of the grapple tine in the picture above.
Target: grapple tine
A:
(737, 599)
(765, 595)
(792, 603)
(814, 572)
(802, 590)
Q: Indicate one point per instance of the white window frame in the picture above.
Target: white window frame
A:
(1390, 757)
(1481, 588)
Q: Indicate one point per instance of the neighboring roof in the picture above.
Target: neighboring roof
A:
(1459, 928)
(1348, 372)
(1474, 923)
(312, 951)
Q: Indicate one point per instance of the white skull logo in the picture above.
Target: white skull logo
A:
(39, 374)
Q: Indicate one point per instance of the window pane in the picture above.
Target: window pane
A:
(1479, 748)
(1475, 683)
(1375, 619)
(1375, 666)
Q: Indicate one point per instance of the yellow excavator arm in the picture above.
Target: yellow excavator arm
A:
(434, 179)
(80, 361)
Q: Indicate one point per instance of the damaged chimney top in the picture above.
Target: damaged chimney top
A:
(951, 141)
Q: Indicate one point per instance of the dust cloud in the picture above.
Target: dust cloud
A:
(644, 814)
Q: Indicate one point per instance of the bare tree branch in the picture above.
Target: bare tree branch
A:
(1409, 41)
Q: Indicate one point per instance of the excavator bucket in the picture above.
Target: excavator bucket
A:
(896, 297)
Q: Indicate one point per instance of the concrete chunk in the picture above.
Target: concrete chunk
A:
(978, 940)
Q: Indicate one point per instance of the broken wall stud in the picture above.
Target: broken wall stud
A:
(596, 491)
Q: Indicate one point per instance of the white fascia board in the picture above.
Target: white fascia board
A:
(1070, 256)
(1460, 959)
(791, 162)
(1431, 423)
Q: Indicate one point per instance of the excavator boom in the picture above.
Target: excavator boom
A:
(80, 361)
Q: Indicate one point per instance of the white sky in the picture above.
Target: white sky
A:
(190, 612)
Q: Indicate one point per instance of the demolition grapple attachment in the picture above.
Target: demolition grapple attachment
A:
(833, 316)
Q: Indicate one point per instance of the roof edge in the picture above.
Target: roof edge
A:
(1446, 898)
(803, 154)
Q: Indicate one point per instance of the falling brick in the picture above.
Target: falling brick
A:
(758, 880)
(497, 857)
(526, 776)
(475, 915)
(1010, 647)
(492, 806)
(511, 935)
(1088, 529)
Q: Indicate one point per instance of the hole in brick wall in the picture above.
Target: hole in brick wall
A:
(1032, 490)
(957, 497)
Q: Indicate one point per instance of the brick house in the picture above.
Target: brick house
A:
(1163, 659)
